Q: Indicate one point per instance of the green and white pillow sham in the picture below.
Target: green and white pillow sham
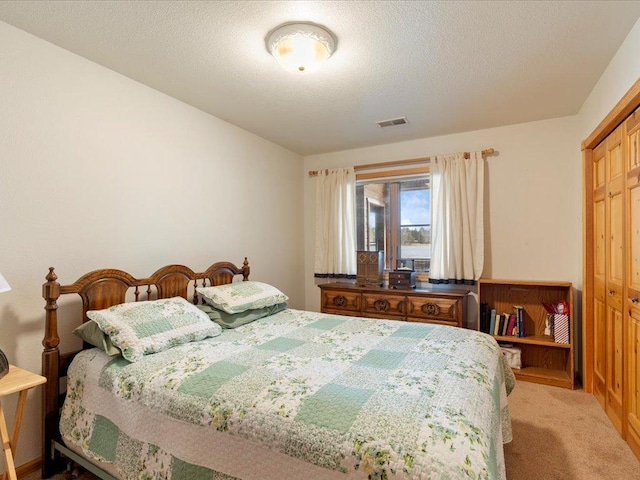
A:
(238, 297)
(142, 328)
(90, 332)
(235, 320)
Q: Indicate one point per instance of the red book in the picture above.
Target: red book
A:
(512, 323)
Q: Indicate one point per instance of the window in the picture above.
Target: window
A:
(394, 215)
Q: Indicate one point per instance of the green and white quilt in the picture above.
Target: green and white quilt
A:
(298, 395)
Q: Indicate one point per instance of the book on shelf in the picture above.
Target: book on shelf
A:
(499, 321)
(512, 324)
(499, 324)
(484, 317)
(519, 319)
(492, 321)
(505, 327)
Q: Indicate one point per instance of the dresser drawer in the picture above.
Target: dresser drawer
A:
(434, 308)
(383, 304)
(341, 301)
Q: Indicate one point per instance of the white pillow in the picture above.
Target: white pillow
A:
(238, 297)
(142, 328)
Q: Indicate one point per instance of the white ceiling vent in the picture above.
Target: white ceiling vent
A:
(393, 122)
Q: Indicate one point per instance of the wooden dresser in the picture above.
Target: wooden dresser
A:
(445, 307)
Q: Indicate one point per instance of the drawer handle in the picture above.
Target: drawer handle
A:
(381, 305)
(634, 299)
(340, 301)
(431, 309)
(612, 292)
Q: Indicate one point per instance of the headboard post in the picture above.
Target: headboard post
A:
(51, 293)
(50, 368)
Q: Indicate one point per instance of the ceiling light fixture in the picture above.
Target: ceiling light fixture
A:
(301, 47)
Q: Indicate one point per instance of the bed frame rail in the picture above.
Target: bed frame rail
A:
(103, 289)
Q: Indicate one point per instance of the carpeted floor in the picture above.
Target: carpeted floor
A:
(561, 434)
(558, 434)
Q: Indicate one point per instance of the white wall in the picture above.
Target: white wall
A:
(532, 198)
(621, 73)
(99, 171)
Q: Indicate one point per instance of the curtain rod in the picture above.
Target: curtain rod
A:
(408, 161)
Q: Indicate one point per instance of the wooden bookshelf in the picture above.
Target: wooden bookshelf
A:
(543, 360)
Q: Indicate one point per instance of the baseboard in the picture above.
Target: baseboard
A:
(634, 441)
(29, 467)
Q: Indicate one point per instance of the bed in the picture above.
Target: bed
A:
(291, 395)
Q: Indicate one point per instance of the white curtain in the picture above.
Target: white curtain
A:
(335, 223)
(457, 224)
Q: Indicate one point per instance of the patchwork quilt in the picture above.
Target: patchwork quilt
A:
(298, 395)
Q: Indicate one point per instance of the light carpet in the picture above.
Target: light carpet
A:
(561, 434)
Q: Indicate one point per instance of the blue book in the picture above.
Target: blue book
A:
(520, 320)
(492, 322)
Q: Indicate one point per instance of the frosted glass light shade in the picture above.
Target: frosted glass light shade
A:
(4, 286)
(301, 47)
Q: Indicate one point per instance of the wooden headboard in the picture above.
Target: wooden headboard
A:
(102, 289)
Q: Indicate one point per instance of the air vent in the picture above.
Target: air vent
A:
(393, 122)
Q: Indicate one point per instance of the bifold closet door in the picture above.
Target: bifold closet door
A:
(611, 301)
(599, 273)
(633, 280)
(614, 287)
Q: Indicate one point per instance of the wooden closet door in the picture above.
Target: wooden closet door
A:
(633, 281)
(599, 271)
(614, 250)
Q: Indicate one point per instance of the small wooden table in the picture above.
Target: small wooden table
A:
(16, 381)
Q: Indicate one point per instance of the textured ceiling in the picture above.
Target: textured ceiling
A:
(447, 66)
